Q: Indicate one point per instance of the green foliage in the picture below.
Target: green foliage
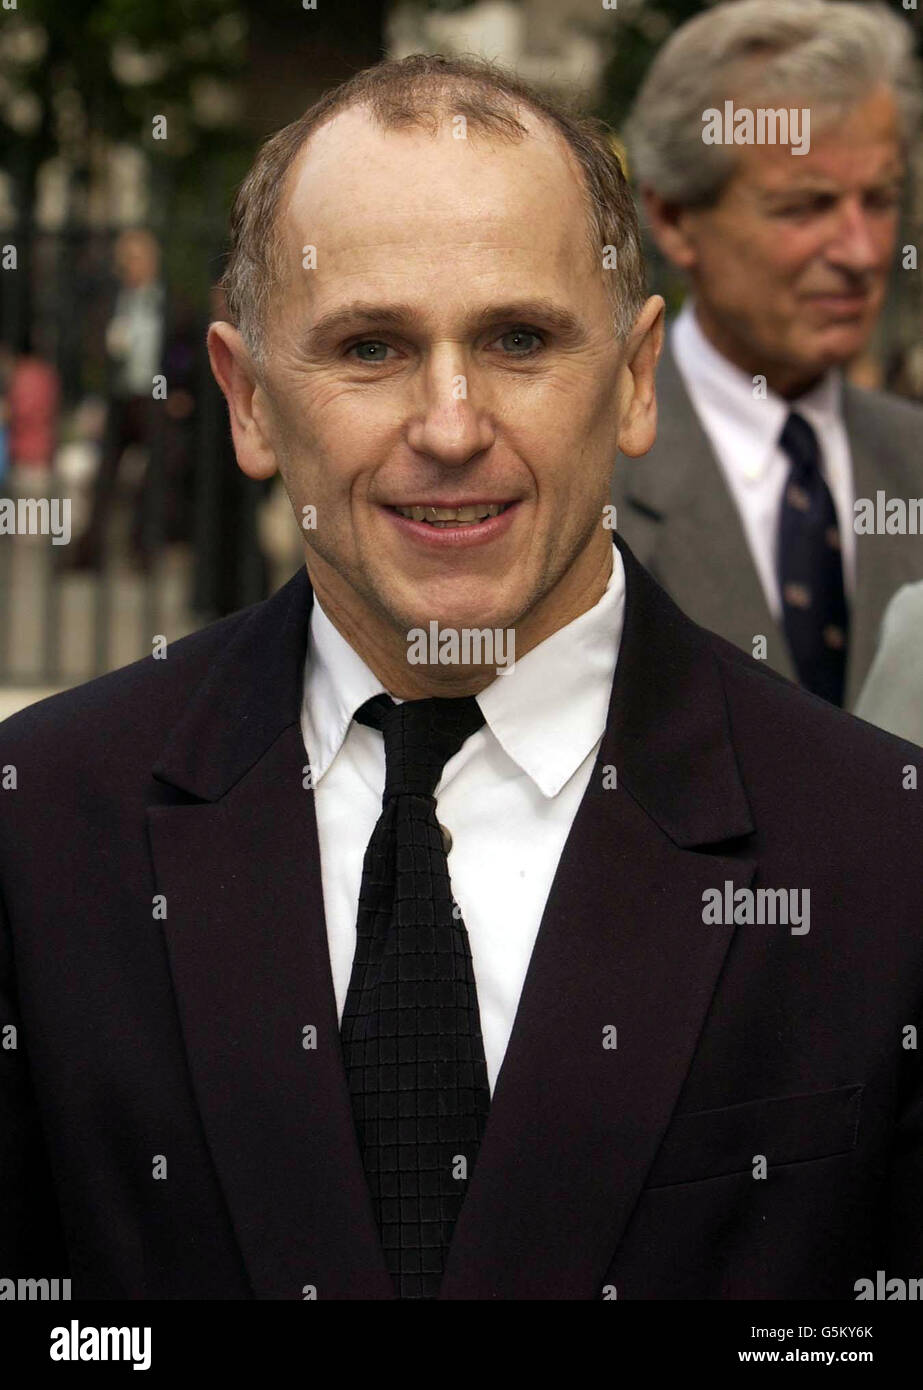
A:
(188, 39)
(637, 35)
(152, 25)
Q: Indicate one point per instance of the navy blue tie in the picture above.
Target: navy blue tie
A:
(815, 615)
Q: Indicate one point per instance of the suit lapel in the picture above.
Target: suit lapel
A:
(574, 1127)
(700, 552)
(247, 945)
(883, 563)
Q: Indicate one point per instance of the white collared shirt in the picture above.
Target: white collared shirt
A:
(744, 433)
(508, 797)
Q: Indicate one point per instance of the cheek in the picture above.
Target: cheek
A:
(737, 261)
(346, 423)
(766, 270)
(313, 425)
(784, 253)
(885, 237)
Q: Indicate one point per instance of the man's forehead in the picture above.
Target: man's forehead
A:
(351, 157)
(850, 150)
(391, 211)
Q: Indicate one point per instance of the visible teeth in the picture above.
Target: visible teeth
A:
(442, 515)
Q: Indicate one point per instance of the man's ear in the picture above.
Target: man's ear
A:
(233, 369)
(638, 424)
(669, 228)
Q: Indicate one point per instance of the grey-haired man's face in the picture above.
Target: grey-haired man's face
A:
(494, 377)
(790, 265)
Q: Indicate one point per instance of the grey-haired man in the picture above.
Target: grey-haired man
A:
(770, 144)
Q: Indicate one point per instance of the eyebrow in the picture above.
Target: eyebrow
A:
(364, 314)
(819, 185)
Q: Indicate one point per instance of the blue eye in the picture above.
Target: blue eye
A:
(372, 351)
(521, 333)
(381, 348)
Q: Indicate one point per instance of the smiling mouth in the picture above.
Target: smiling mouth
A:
(470, 515)
(844, 297)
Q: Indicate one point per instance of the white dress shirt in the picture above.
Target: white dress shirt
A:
(744, 432)
(508, 797)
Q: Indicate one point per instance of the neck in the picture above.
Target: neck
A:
(787, 379)
(383, 647)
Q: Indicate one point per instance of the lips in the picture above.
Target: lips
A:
(460, 514)
(857, 300)
(449, 535)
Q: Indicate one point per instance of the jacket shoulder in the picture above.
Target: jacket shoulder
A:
(902, 415)
(810, 743)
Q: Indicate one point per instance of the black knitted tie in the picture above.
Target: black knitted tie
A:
(411, 1030)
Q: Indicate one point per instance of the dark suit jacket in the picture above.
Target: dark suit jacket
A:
(675, 510)
(626, 1167)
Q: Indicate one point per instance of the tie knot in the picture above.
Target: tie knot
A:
(420, 737)
(800, 442)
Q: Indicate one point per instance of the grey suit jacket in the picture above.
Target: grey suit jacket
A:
(675, 511)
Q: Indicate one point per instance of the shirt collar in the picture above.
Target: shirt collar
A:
(722, 394)
(336, 682)
(822, 406)
(547, 713)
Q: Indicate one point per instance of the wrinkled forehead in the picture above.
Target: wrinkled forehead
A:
(355, 182)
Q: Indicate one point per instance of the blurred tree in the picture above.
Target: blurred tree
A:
(640, 29)
(79, 78)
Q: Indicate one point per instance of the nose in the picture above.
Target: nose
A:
(857, 244)
(451, 425)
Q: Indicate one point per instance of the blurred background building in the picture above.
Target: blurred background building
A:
(141, 117)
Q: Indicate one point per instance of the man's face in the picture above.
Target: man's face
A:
(790, 266)
(483, 371)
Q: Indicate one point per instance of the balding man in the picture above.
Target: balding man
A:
(457, 923)
(770, 143)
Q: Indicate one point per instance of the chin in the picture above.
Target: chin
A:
(468, 616)
(831, 347)
(468, 610)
